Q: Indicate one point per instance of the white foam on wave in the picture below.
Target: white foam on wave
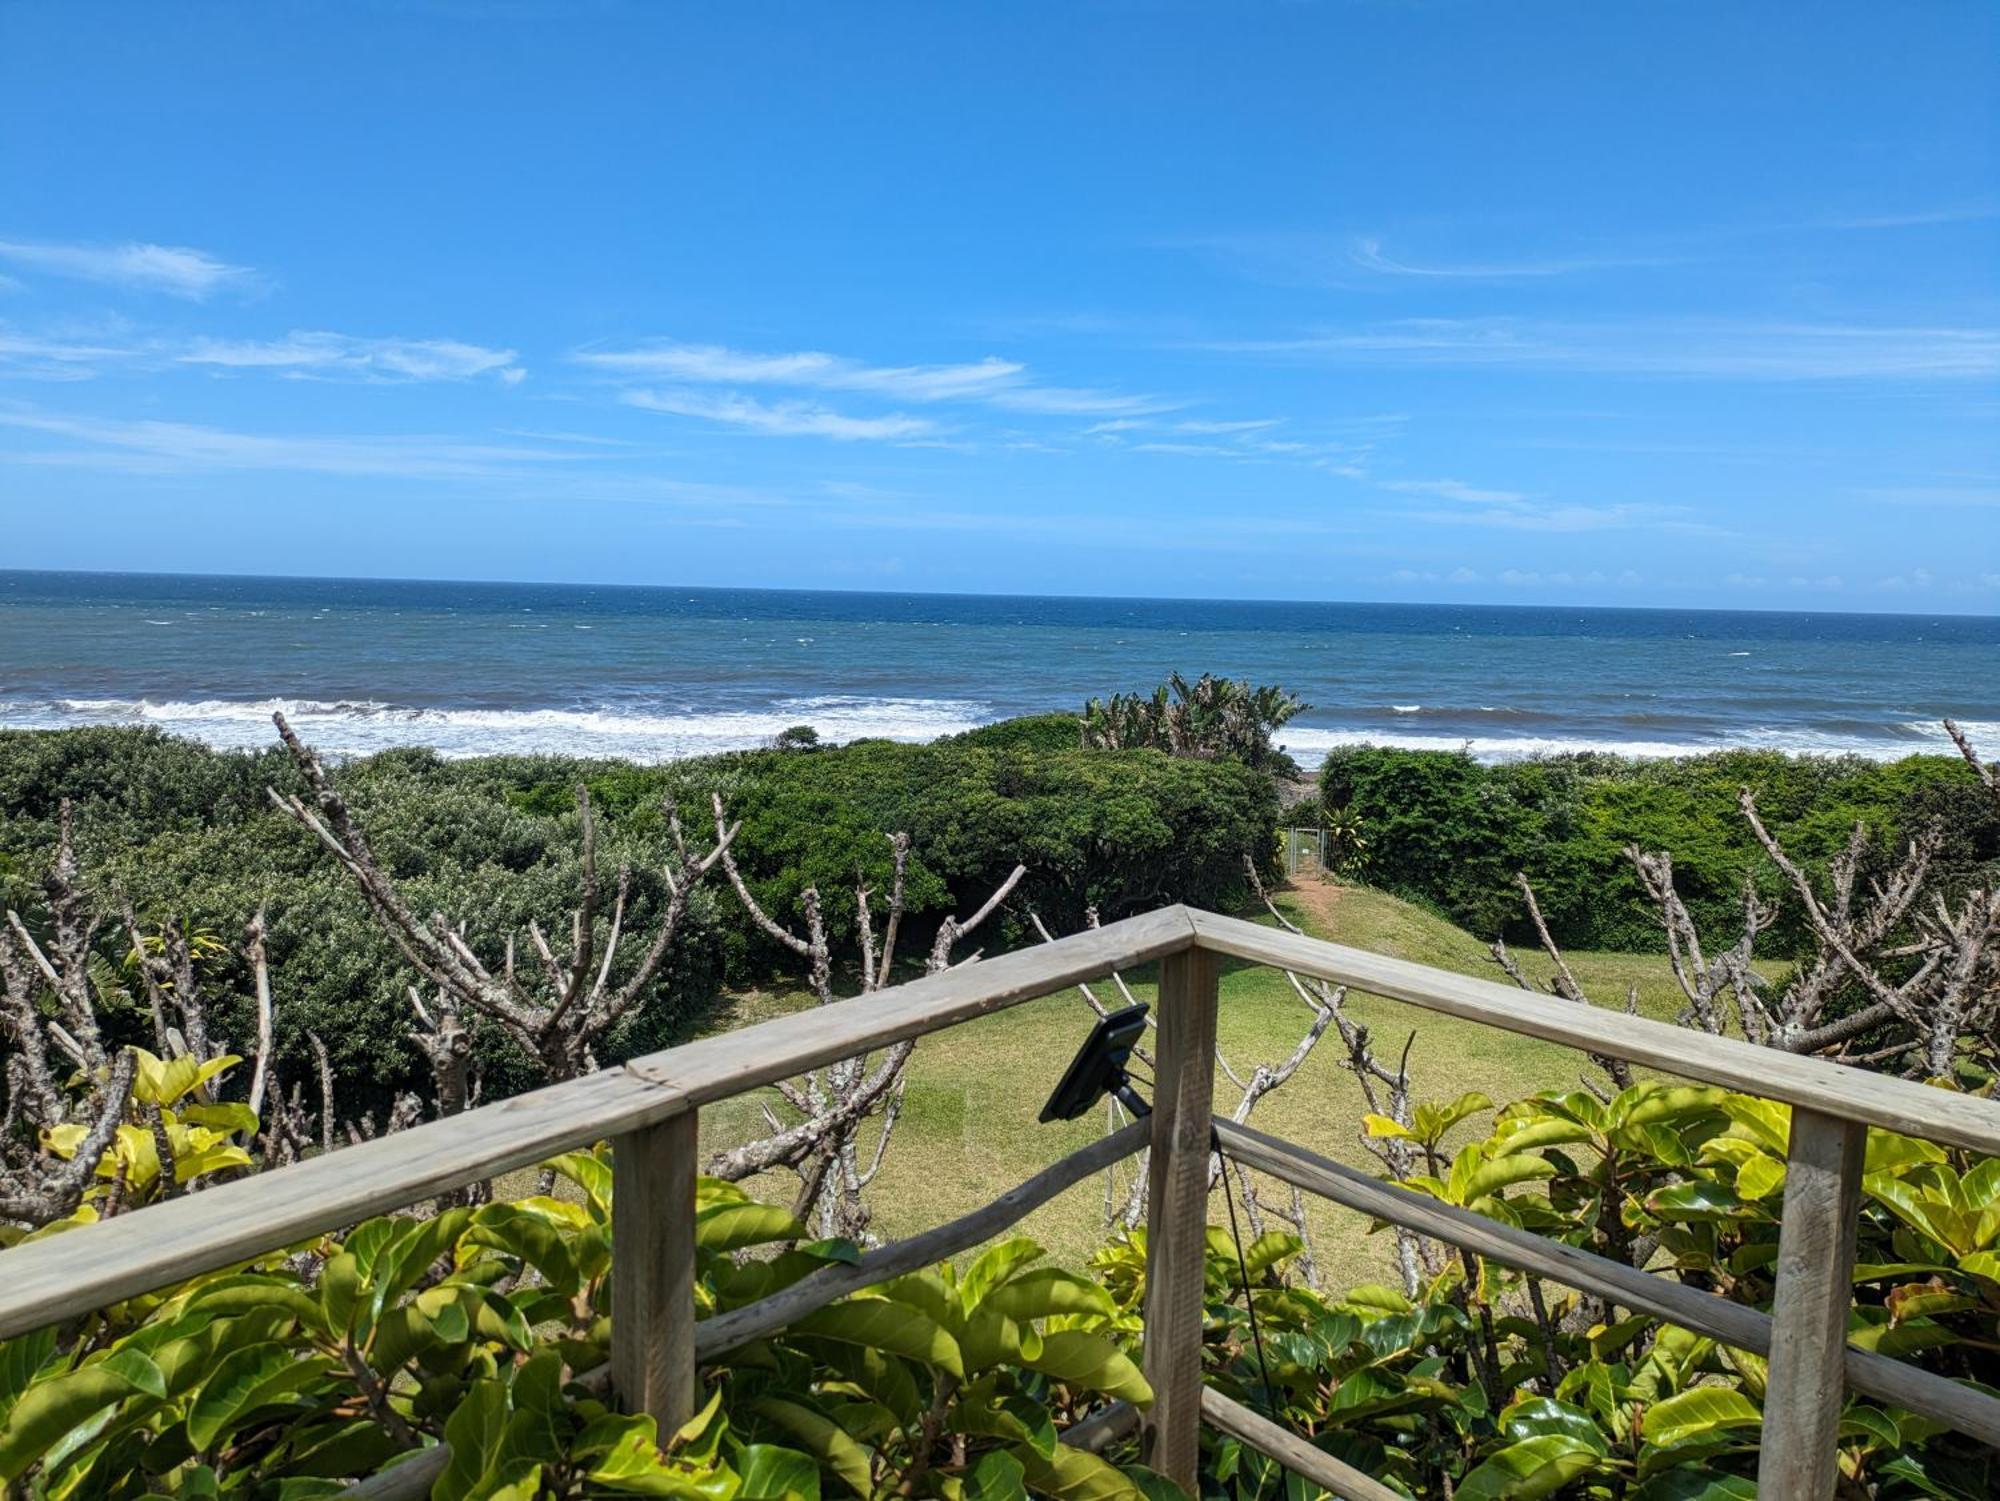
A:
(361, 727)
(1310, 746)
(344, 727)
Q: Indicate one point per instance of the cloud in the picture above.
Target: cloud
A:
(1002, 384)
(344, 356)
(134, 266)
(300, 355)
(1367, 254)
(782, 419)
(1451, 489)
(155, 446)
(65, 358)
(709, 364)
(1703, 349)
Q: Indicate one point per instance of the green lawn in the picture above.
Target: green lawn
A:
(968, 1130)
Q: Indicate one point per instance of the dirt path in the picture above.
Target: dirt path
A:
(1318, 898)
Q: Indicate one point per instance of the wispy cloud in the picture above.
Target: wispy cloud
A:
(1518, 510)
(134, 266)
(1004, 385)
(319, 355)
(300, 355)
(1451, 489)
(1709, 349)
(154, 446)
(710, 364)
(781, 419)
(58, 357)
(1368, 254)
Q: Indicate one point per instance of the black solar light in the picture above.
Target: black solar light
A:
(1098, 1069)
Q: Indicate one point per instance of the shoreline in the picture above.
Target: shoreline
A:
(349, 729)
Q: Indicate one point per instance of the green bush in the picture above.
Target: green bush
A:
(1446, 830)
(189, 832)
(1031, 732)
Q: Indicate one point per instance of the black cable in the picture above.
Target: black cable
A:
(1243, 1263)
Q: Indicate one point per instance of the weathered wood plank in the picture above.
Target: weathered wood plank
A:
(725, 1331)
(652, 1270)
(1812, 1083)
(1177, 1214)
(729, 1063)
(94, 1266)
(97, 1265)
(1102, 1428)
(1965, 1409)
(1291, 1451)
(1805, 1389)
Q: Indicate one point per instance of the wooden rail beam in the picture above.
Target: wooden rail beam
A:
(1291, 1451)
(652, 1270)
(1177, 1214)
(1963, 1407)
(1853, 1094)
(1806, 1389)
(725, 1331)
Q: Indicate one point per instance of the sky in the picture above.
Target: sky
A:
(1385, 300)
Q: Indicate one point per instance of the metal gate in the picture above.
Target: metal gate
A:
(1305, 852)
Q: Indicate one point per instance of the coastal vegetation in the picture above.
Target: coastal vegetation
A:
(173, 1052)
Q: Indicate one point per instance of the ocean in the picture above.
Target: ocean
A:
(655, 673)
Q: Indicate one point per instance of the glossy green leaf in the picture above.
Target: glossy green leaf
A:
(1527, 1470)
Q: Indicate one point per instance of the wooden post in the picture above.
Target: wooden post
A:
(1177, 1214)
(652, 1270)
(1805, 1389)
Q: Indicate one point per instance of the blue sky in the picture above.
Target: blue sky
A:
(1581, 303)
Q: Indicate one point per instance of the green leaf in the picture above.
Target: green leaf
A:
(53, 1407)
(822, 1438)
(1533, 1416)
(473, 1431)
(21, 1359)
(1528, 1470)
(889, 1325)
(1073, 1475)
(998, 1476)
(732, 1227)
(994, 1266)
(245, 1381)
(980, 1409)
(1093, 1363)
(1696, 1483)
(771, 1473)
(1047, 1291)
(1699, 1413)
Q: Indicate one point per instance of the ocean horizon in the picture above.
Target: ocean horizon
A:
(650, 673)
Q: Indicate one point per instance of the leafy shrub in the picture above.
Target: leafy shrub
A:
(1030, 732)
(1444, 829)
(488, 1328)
(189, 832)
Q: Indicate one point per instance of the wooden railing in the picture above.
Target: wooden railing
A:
(650, 1106)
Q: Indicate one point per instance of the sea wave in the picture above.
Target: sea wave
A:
(1888, 742)
(347, 727)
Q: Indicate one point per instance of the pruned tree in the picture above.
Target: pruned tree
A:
(556, 1008)
(823, 1145)
(1900, 973)
(66, 1080)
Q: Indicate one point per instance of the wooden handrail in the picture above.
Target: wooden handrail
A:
(1706, 1313)
(93, 1266)
(648, 1108)
(1831, 1089)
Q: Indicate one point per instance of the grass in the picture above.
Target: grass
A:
(968, 1129)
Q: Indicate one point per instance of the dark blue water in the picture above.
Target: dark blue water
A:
(658, 672)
